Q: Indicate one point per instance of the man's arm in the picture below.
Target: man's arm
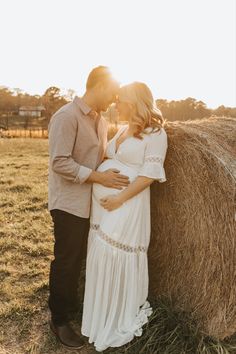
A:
(62, 135)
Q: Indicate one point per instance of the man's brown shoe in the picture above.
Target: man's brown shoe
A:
(67, 336)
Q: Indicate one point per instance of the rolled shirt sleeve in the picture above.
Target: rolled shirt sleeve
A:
(62, 135)
(83, 174)
(155, 153)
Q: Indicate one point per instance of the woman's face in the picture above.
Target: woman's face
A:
(124, 108)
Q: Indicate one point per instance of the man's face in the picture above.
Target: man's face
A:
(107, 95)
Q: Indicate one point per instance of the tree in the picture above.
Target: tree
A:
(183, 110)
(52, 101)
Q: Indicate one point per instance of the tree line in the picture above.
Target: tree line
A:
(53, 98)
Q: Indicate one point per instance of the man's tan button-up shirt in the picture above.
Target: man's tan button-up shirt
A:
(77, 142)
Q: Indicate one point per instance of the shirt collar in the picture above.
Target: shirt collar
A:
(82, 105)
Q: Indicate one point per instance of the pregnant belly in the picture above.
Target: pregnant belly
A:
(100, 191)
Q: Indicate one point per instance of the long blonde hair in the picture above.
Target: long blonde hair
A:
(146, 112)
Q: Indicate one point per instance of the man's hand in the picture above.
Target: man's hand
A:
(110, 178)
(113, 179)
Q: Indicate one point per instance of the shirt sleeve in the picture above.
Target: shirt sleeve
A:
(62, 135)
(154, 157)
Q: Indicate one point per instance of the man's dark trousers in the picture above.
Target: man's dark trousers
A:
(71, 233)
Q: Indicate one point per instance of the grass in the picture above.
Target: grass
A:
(172, 330)
(26, 244)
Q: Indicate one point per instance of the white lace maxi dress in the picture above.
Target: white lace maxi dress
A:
(116, 288)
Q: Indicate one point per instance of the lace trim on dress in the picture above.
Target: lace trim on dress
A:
(115, 243)
(153, 158)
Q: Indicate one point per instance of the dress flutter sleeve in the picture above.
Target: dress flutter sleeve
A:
(154, 157)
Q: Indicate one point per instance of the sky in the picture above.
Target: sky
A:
(179, 48)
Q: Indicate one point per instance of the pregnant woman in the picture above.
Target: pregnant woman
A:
(116, 289)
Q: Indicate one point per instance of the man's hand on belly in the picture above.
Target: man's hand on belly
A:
(110, 178)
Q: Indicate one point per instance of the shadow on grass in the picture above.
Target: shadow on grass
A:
(169, 331)
(174, 331)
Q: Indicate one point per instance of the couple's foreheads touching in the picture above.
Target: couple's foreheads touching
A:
(134, 102)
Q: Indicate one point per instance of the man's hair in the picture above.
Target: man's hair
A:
(100, 74)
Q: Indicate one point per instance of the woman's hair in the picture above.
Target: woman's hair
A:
(146, 112)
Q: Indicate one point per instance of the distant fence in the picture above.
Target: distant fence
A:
(42, 133)
(24, 133)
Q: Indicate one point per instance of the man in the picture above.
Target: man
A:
(77, 141)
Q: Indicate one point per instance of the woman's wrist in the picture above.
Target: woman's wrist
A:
(121, 197)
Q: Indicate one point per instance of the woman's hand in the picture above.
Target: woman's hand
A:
(111, 202)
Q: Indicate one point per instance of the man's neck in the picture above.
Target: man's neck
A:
(89, 100)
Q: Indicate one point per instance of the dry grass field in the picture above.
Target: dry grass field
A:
(26, 244)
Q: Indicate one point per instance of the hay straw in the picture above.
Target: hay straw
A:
(192, 253)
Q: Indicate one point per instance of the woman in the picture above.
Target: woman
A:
(116, 288)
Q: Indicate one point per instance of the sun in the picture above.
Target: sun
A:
(122, 75)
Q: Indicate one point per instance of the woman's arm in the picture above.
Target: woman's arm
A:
(112, 202)
(151, 170)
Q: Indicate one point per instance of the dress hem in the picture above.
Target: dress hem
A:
(135, 331)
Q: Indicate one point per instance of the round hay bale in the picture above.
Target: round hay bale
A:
(192, 253)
